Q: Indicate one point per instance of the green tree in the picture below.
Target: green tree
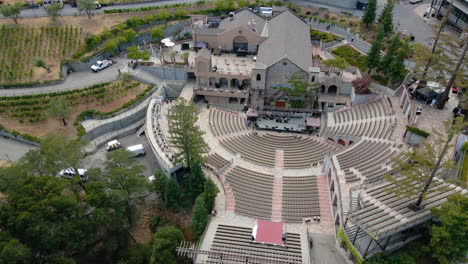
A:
(196, 180)
(397, 69)
(199, 217)
(157, 33)
(11, 11)
(172, 195)
(13, 251)
(159, 183)
(389, 57)
(88, 6)
(373, 57)
(419, 166)
(92, 42)
(449, 238)
(370, 13)
(111, 45)
(135, 54)
(165, 242)
(209, 194)
(185, 57)
(386, 18)
(60, 108)
(53, 11)
(185, 135)
(128, 35)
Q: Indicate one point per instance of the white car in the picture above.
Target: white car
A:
(70, 172)
(415, 1)
(113, 145)
(136, 150)
(100, 65)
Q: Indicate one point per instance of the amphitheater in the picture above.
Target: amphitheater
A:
(281, 177)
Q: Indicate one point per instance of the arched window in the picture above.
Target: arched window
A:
(313, 78)
(259, 77)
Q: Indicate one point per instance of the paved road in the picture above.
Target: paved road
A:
(76, 80)
(13, 150)
(68, 10)
(97, 159)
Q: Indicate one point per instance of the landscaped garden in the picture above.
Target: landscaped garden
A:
(50, 44)
(352, 56)
(323, 36)
(31, 113)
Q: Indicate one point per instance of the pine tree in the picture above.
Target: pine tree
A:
(159, 183)
(386, 18)
(199, 217)
(370, 13)
(209, 194)
(172, 194)
(397, 69)
(185, 135)
(373, 57)
(196, 180)
(389, 57)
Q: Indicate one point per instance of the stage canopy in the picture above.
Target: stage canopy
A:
(267, 232)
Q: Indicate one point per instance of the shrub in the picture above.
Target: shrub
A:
(417, 131)
(382, 80)
(361, 85)
(92, 42)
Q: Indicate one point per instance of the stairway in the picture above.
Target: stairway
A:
(229, 195)
(277, 203)
(324, 199)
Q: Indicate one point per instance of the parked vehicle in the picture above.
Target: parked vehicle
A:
(415, 1)
(100, 65)
(98, 6)
(70, 172)
(47, 3)
(113, 145)
(136, 150)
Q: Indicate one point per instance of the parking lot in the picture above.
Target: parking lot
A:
(98, 159)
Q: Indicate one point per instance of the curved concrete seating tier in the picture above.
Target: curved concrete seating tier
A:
(372, 159)
(223, 122)
(238, 240)
(299, 152)
(300, 198)
(215, 161)
(374, 120)
(253, 192)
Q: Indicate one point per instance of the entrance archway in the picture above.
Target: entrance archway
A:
(322, 88)
(240, 43)
(212, 81)
(332, 89)
(245, 84)
(235, 84)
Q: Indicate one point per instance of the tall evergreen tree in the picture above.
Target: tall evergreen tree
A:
(389, 57)
(374, 55)
(386, 18)
(397, 69)
(165, 242)
(199, 217)
(172, 195)
(196, 180)
(159, 183)
(185, 133)
(370, 13)
(209, 194)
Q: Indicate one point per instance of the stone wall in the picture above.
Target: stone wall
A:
(279, 73)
